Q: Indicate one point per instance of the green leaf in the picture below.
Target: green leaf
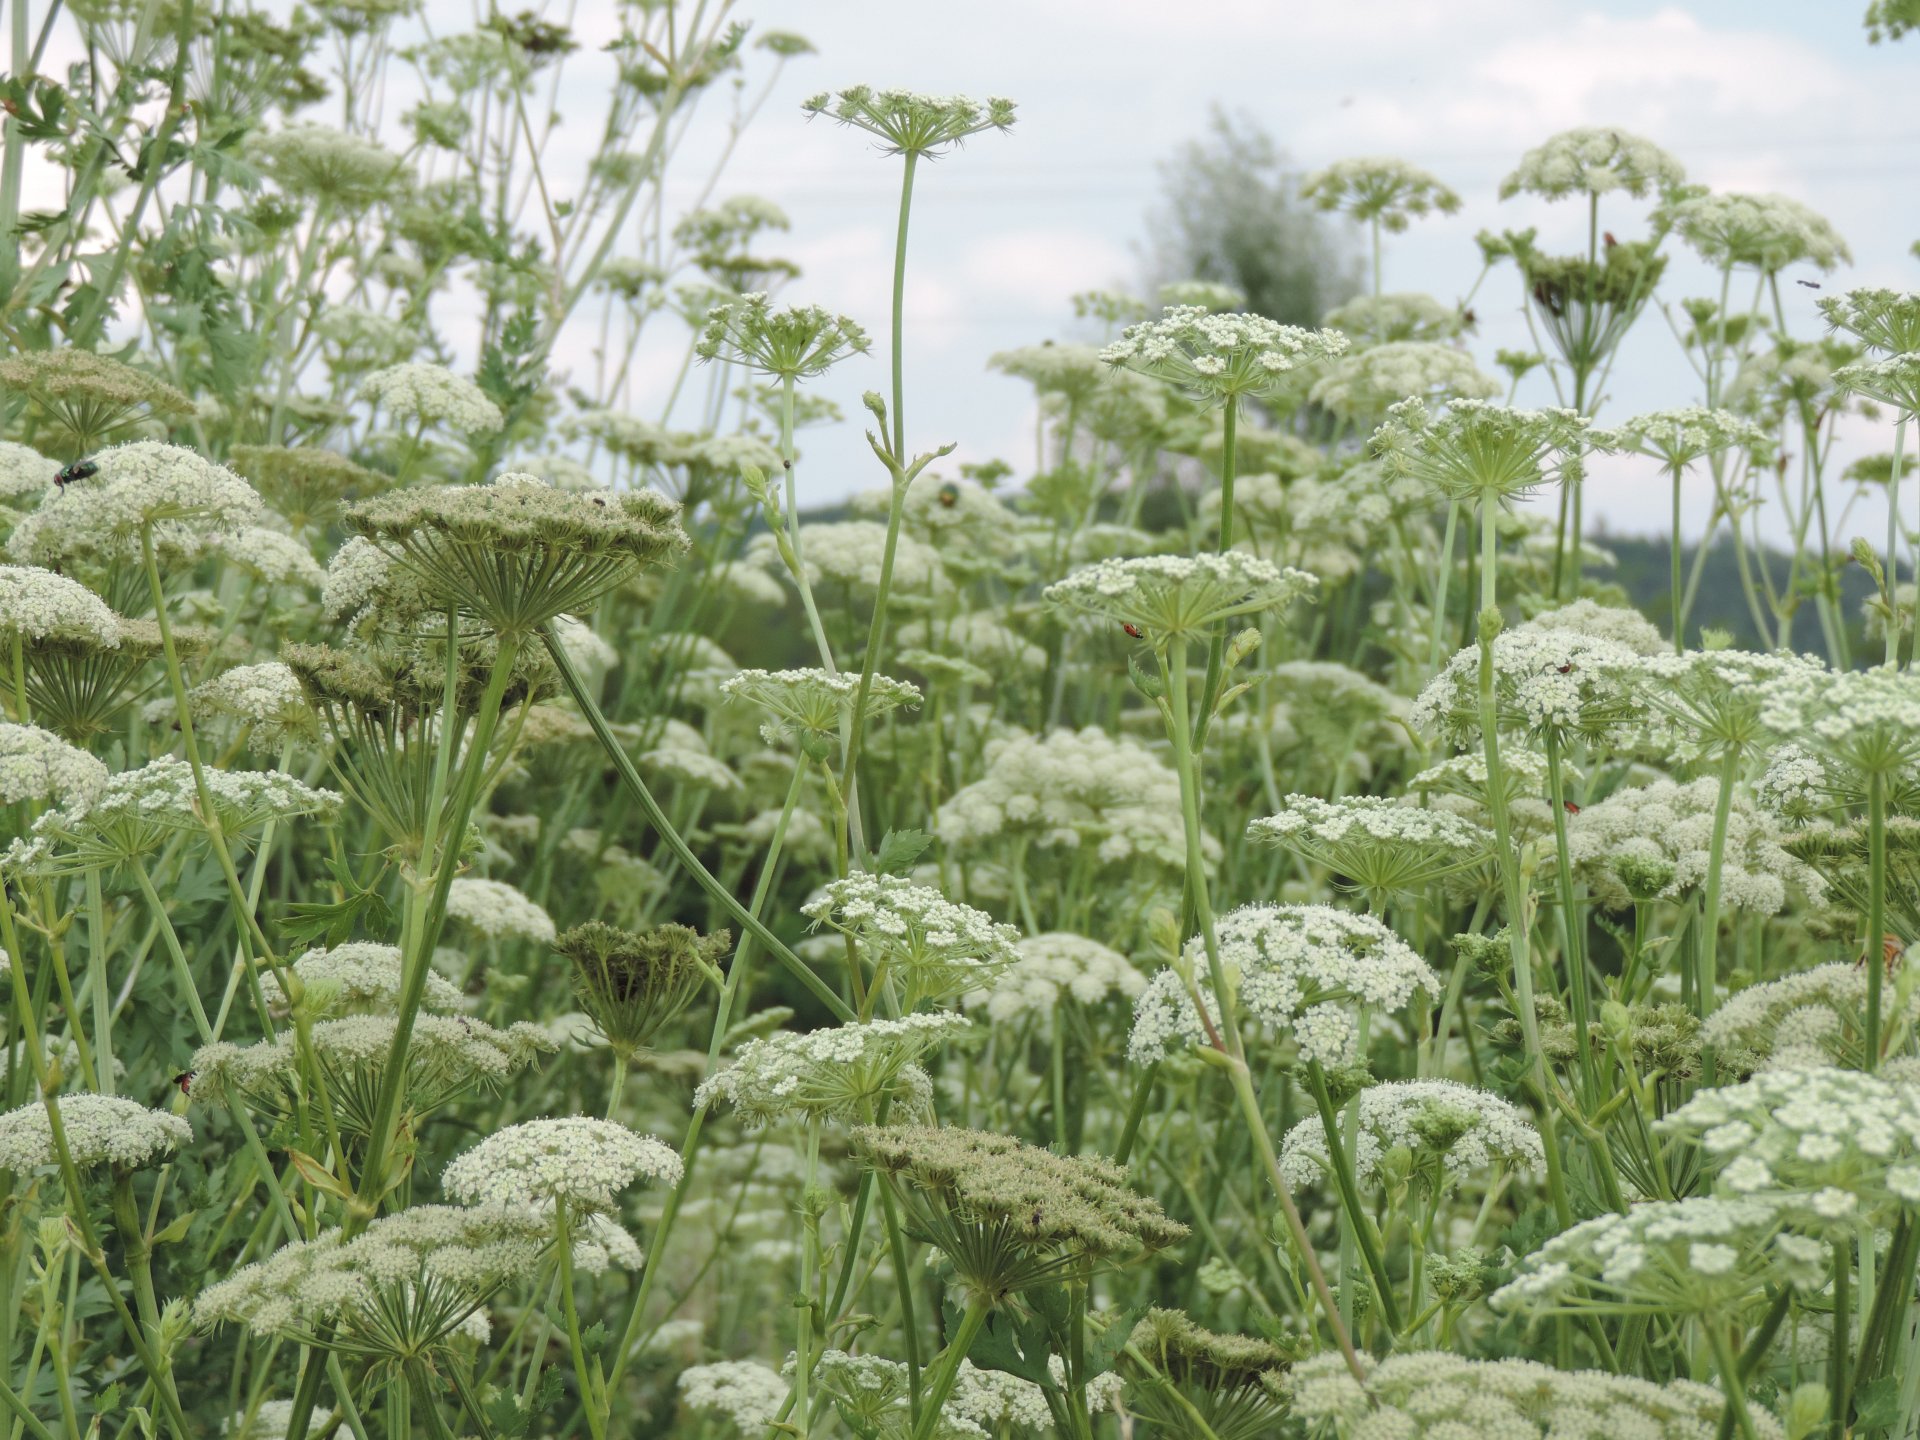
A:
(1103, 1350)
(996, 1346)
(177, 1231)
(1877, 1406)
(899, 850)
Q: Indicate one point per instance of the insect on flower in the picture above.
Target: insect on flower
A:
(1892, 951)
(79, 470)
(1570, 807)
(184, 1080)
(1132, 629)
(948, 496)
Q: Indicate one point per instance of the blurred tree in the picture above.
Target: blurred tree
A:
(1231, 213)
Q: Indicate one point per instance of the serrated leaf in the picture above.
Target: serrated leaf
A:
(995, 1348)
(1877, 1405)
(1103, 1350)
(899, 850)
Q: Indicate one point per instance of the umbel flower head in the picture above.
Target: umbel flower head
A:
(398, 1291)
(1179, 598)
(1234, 1385)
(1055, 969)
(794, 342)
(814, 703)
(518, 552)
(1885, 320)
(1454, 1132)
(1704, 1256)
(1433, 1393)
(137, 486)
(1833, 1146)
(1473, 449)
(42, 768)
(36, 604)
(360, 977)
(84, 400)
(1363, 386)
(432, 395)
(1591, 160)
(1007, 1215)
(1893, 381)
(139, 811)
(1307, 971)
(100, 1130)
(634, 985)
(348, 171)
(1811, 1017)
(447, 1056)
(910, 124)
(929, 948)
(1220, 357)
(578, 1162)
(1563, 681)
(1375, 187)
(845, 1072)
(1372, 843)
(1678, 437)
(1766, 232)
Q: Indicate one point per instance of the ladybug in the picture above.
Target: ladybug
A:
(1132, 629)
(79, 470)
(184, 1079)
(948, 496)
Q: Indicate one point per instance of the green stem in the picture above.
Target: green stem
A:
(1363, 1231)
(1731, 1378)
(947, 1368)
(1876, 910)
(630, 777)
(1217, 646)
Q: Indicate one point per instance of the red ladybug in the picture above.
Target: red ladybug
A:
(1133, 630)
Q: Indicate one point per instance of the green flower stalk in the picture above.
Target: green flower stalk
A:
(635, 985)
(1677, 439)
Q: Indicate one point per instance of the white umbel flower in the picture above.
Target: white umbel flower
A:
(140, 484)
(360, 976)
(36, 604)
(1591, 160)
(578, 1161)
(1306, 971)
(842, 1072)
(100, 1130)
(433, 395)
(1054, 968)
(41, 767)
(1469, 1131)
(498, 911)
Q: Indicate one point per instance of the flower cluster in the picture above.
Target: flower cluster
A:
(1379, 188)
(912, 124)
(1054, 968)
(1467, 1131)
(1475, 448)
(496, 910)
(1545, 679)
(1073, 790)
(38, 767)
(1178, 597)
(1591, 160)
(1766, 232)
(358, 976)
(933, 949)
(1376, 844)
(266, 701)
(815, 702)
(1667, 828)
(1363, 386)
(140, 487)
(1220, 356)
(1309, 972)
(98, 1129)
(433, 395)
(846, 1072)
(1886, 320)
(1434, 1393)
(578, 1162)
(1837, 1145)
(1810, 1017)
(793, 342)
(37, 604)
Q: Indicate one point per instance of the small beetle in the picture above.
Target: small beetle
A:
(1132, 629)
(948, 496)
(79, 470)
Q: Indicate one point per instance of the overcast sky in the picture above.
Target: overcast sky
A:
(1766, 95)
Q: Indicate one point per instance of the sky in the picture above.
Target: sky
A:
(1768, 95)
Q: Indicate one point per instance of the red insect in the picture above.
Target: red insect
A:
(1565, 669)
(1607, 236)
(1131, 629)
(183, 1080)
(1571, 808)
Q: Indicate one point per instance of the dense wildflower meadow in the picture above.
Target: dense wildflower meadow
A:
(1235, 927)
